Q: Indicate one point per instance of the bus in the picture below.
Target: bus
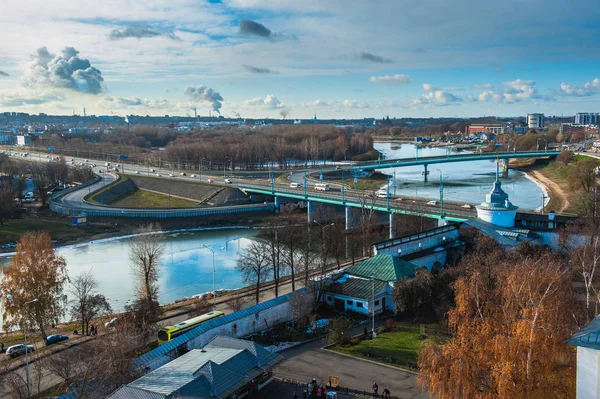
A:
(167, 333)
(322, 187)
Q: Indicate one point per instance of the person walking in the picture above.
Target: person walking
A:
(375, 389)
(386, 393)
(295, 396)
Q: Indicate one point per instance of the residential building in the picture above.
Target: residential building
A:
(223, 368)
(587, 341)
(487, 128)
(535, 121)
(6, 138)
(23, 140)
(587, 118)
(367, 285)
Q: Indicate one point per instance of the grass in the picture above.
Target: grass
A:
(402, 344)
(147, 199)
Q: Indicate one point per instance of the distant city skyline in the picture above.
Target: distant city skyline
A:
(276, 58)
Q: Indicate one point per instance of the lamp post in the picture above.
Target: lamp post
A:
(441, 194)
(23, 305)
(323, 255)
(214, 293)
(373, 310)
(343, 188)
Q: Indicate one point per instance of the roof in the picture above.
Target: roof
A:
(221, 367)
(383, 267)
(506, 236)
(209, 325)
(588, 336)
(356, 287)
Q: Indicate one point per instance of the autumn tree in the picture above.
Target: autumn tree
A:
(508, 331)
(254, 264)
(7, 202)
(35, 273)
(86, 303)
(145, 252)
(565, 157)
(584, 174)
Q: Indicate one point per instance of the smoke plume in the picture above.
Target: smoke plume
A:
(205, 94)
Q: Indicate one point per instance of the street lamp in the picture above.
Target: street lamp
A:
(441, 193)
(23, 304)
(373, 309)
(323, 260)
(214, 293)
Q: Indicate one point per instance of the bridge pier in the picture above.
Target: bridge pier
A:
(425, 173)
(348, 218)
(504, 163)
(310, 212)
(277, 203)
(392, 217)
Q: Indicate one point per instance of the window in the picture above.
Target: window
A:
(349, 302)
(377, 302)
(359, 304)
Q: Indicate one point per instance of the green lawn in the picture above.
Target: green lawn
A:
(147, 199)
(403, 344)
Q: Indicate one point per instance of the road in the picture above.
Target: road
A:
(308, 361)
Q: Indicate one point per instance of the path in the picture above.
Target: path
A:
(308, 361)
(553, 189)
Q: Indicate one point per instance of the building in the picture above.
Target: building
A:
(23, 140)
(587, 118)
(223, 368)
(367, 285)
(497, 209)
(496, 129)
(587, 341)
(6, 138)
(535, 121)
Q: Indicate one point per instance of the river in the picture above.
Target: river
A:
(466, 182)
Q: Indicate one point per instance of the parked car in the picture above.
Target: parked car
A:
(18, 350)
(53, 339)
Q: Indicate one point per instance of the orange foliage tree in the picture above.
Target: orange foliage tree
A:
(36, 272)
(508, 331)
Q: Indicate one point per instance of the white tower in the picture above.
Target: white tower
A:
(497, 209)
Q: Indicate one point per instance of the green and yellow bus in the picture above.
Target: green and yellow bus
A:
(167, 333)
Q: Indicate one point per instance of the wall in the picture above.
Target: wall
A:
(430, 259)
(410, 244)
(119, 189)
(588, 379)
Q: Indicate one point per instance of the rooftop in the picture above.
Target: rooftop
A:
(382, 267)
(588, 336)
(356, 287)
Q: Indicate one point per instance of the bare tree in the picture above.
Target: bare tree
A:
(86, 303)
(254, 264)
(236, 303)
(199, 307)
(145, 252)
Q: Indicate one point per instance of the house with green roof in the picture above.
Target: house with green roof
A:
(587, 341)
(368, 285)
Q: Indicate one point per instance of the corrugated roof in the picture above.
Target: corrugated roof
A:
(383, 267)
(588, 336)
(357, 288)
(209, 325)
(127, 392)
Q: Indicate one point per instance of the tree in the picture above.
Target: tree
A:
(338, 330)
(584, 174)
(414, 296)
(236, 303)
(145, 252)
(565, 157)
(199, 307)
(7, 203)
(254, 264)
(291, 240)
(43, 178)
(508, 331)
(35, 273)
(87, 304)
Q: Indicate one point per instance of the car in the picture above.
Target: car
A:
(338, 167)
(53, 339)
(171, 175)
(209, 180)
(466, 206)
(29, 195)
(227, 181)
(93, 165)
(152, 170)
(383, 194)
(137, 172)
(87, 160)
(158, 175)
(295, 185)
(431, 202)
(99, 170)
(183, 174)
(111, 323)
(18, 350)
(192, 175)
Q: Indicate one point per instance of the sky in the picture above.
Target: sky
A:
(295, 59)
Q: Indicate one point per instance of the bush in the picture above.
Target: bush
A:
(390, 325)
(355, 341)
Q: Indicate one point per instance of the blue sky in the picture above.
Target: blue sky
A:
(267, 58)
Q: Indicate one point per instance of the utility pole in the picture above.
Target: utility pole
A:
(373, 294)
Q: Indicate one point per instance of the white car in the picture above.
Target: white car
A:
(192, 175)
(158, 175)
(227, 181)
(432, 203)
(152, 170)
(18, 350)
(137, 172)
(171, 175)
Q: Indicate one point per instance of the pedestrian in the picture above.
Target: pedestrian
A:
(375, 389)
(386, 393)
(319, 392)
(2, 347)
(295, 396)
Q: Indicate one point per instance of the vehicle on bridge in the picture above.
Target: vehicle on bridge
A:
(322, 187)
(295, 185)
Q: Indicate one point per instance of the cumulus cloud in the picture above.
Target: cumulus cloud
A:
(66, 71)
(269, 102)
(363, 55)
(397, 79)
(513, 91)
(2, 73)
(436, 97)
(203, 94)
(141, 32)
(588, 89)
(253, 28)
(21, 97)
(484, 86)
(490, 96)
(429, 87)
(258, 70)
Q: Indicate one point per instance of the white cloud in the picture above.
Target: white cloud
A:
(588, 89)
(429, 87)
(483, 86)
(514, 91)
(436, 97)
(269, 102)
(126, 102)
(23, 96)
(397, 79)
(490, 96)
